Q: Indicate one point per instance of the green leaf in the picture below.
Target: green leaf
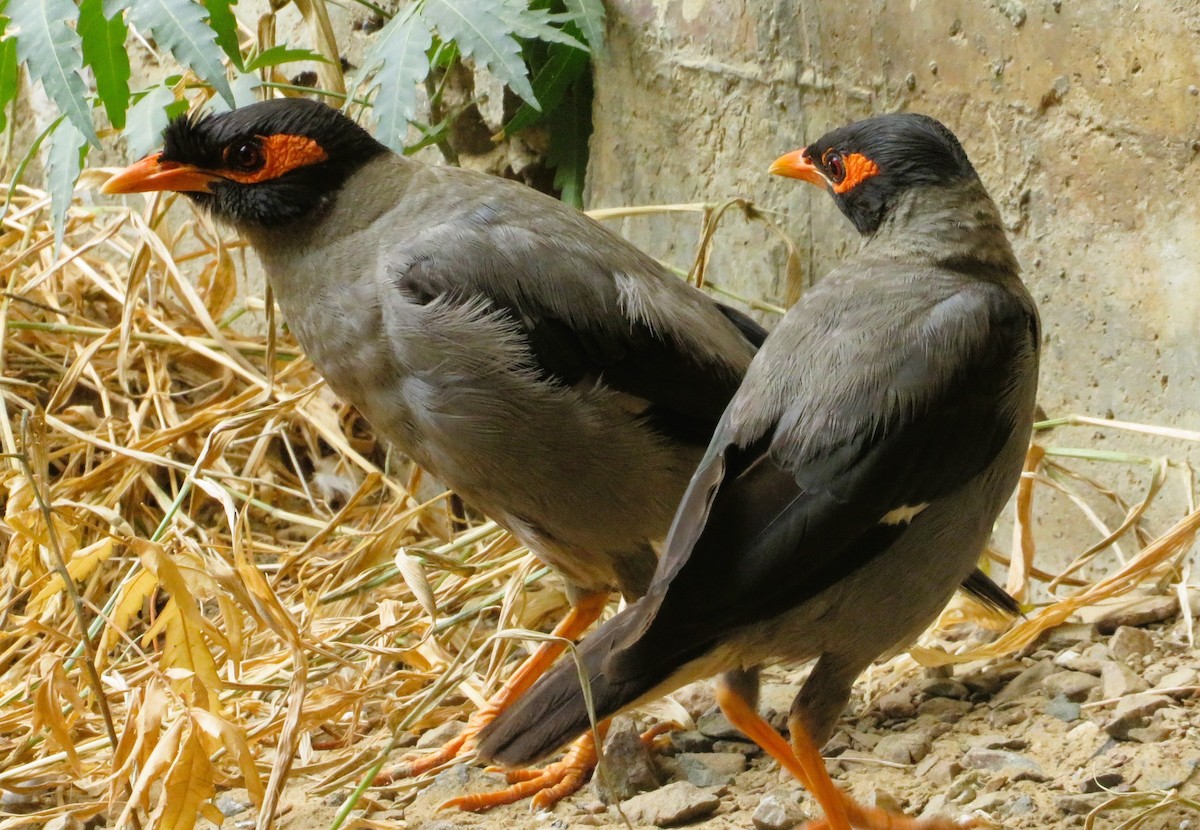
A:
(244, 86)
(570, 127)
(222, 21)
(481, 34)
(277, 55)
(8, 74)
(147, 118)
(104, 51)
(564, 64)
(68, 146)
(534, 24)
(50, 50)
(179, 25)
(401, 53)
(589, 17)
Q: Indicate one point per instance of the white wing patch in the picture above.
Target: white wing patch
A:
(902, 515)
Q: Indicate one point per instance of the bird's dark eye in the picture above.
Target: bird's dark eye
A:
(836, 167)
(245, 156)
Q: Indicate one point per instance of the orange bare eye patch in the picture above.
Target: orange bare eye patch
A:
(281, 154)
(859, 168)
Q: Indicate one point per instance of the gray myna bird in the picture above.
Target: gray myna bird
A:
(555, 377)
(853, 481)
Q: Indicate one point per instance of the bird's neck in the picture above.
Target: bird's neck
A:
(958, 227)
(367, 194)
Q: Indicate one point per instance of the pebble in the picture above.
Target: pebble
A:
(944, 687)
(1076, 661)
(1178, 679)
(940, 772)
(441, 734)
(714, 724)
(678, 803)
(1027, 682)
(997, 760)
(1003, 805)
(1069, 635)
(775, 813)
(1008, 716)
(896, 705)
(1064, 709)
(691, 740)
(696, 698)
(1075, 686)
(1129, 645)
(1140, 612)
(1118, 680)
(230, 805)
(1102, 782)
(989, 677)
(747, 748)
(1075, 805)
(944, 709)
(1133, 712)
(711, 769)
(1159, 773)
(628, 766)
(1155, 733)
(775, 703)
(903, 747)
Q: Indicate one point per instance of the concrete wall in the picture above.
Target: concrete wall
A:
(1082, 116)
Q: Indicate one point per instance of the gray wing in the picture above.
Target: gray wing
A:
(589, 306)
(800, 475)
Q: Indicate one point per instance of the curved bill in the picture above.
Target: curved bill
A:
(150, 174)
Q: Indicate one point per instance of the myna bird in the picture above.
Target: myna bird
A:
(549, 372)
(854, 479)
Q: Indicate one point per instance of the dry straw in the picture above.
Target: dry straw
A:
(214, 576)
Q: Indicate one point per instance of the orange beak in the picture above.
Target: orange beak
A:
(796, 165)
(151, 174)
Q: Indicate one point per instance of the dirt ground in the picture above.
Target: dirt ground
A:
(1096, 726)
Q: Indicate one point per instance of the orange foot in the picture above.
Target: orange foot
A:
(585, 612)
(548, 785)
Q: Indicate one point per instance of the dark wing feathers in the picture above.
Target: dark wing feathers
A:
(792, 512)
(564, 295)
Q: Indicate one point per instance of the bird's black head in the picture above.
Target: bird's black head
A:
(867, 165)
(264, 165)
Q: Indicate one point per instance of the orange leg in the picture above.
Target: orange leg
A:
(803, 760)
(548, 785)
(577, 621)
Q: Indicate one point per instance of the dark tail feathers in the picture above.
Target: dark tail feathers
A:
(980, 586)
(553, 711)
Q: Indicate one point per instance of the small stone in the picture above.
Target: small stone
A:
(1075, 805)
(1155, 733)
(997, 760)
(678, 803)
(942, 772)
(1014, 11)
(747, 748)
(1002, 805)
(1193, 89)
(690, 740)
(1069, 635)
(1118, 680)
(1064, 709)
(1164, 773)
(1027, 682)
(1008, 716)
(998, 742)
(711, 769)
(1129, 645)
(1072, 685)
(989, 677)
(1076, 661)
(441, 734)
(896, 705)
(933, 68)
(775, 704)
(696, 698)
(944, 687)
(1133, 712)
(903, 747)
(628, 767)
(1102, 782)
(944, 709)
(775, 813)
(882, 799)
(1146, 611)
(910, 81)
(230, 805)
(934, 807)
(1178, 683)
(714, 724)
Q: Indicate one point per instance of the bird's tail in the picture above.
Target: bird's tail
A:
(553, 711)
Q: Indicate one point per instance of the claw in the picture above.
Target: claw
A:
(548, 785)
